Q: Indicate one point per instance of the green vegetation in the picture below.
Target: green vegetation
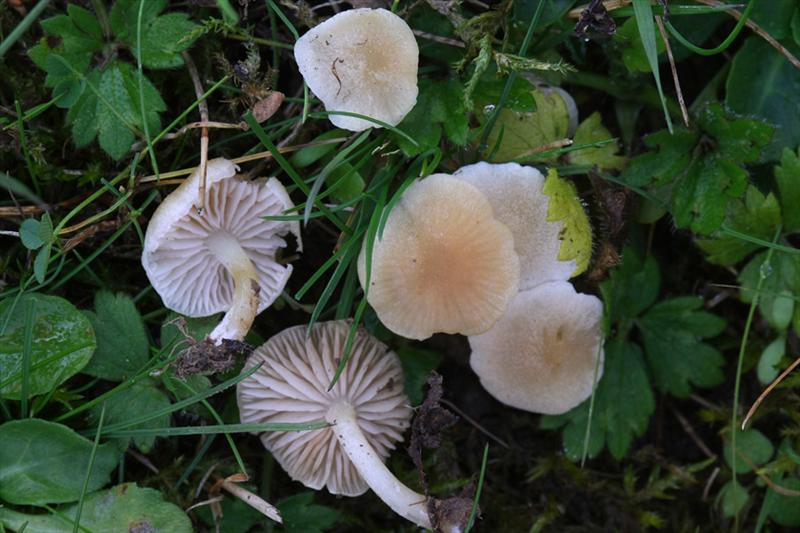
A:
(692, 192)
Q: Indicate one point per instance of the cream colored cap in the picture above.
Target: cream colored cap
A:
(515, 192)
(541, 355)
(444, 263)
(363, 61)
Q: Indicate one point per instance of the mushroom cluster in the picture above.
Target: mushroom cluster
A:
(454, 253)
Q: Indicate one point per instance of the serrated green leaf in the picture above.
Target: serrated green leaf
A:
(672, 332)
(164, 39)
(122, 345)
(632, 287)
(762, 83)
(63, 342)
(669, 157)
(756, 215)
(622, 409)
(83, 114)
(85, 21)
(141, 399)
(43, 462)
(704, 170)
(787, 176)
(751, 445)
(301, 515)
(605, 157)
(440, 105)
(114, 135)
(124, 16)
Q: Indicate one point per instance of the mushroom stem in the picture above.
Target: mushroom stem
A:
(404, 501)
(244, 306)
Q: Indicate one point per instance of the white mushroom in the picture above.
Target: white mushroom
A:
(542, 354)
(515, 193)
(367, 409)
(361, 61)
(222, 259)
(443, 264)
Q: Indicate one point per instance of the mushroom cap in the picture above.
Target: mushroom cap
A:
(515, 193)
(362, 61)
(541, 355)
(444, 264)
(178, 262)
(292, 386)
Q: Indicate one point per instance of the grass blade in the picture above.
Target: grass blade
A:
(89, 470)
(643, 12)
(474, 512)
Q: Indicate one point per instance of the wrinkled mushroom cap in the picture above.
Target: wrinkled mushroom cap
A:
(177, 260)
(515, 193)
(444, 264)
(292, 386)
(363, 61)
(541, 355)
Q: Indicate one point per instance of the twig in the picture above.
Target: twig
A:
(561, 143)
(203, 503)
(675, 79)
(710, 482)
(243, 159)
(687, 427)
(253, 500)
(763, 395)
(203, 107)
(774, 486)
(610, 5)
(142, 459)
(479, 427)
(439, 39)
(192, 126)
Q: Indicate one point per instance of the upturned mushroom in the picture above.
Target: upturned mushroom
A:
(225, 258)
(542, 354)
(517, 196)
(361, 61)
(443, 263)
(367, 409)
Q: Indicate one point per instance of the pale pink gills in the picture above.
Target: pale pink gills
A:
(541, 356)
(443, 264)
(515, 193)
(225, 258)
(361, 61)
(367, 409)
